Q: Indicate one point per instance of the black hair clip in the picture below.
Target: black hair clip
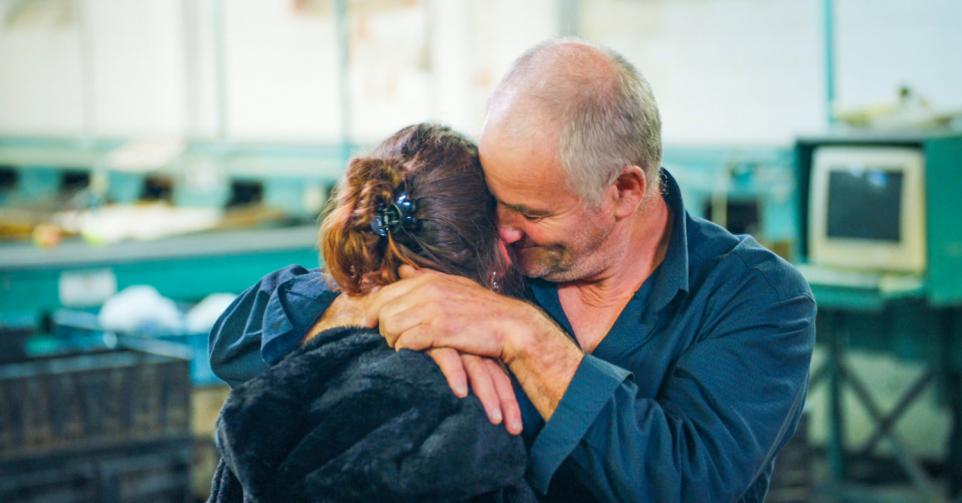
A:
(398, 215)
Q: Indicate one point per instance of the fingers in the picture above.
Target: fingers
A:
(390, 295)
(483, 387)
(418, 287)
(509, 402)
(417, 338)
(399, 320)
(449, 361)
(406, 271)
(489, 382)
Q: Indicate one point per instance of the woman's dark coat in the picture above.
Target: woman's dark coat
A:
(346, 418)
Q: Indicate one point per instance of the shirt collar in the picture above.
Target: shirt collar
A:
(671, 277)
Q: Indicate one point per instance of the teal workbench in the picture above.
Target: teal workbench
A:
(908, 327)
(870, 319)
(911, 317)
(35, 281)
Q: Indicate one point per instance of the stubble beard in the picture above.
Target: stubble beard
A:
(561, 262)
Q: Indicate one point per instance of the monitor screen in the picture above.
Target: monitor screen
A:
(865, 204)
(866, 208)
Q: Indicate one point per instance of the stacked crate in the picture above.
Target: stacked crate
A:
(100, 426)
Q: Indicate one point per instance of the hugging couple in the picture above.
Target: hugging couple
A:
(535, 318)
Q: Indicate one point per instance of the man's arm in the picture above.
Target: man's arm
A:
(429, 310)
(730, 401)
(287, 306)
(728, 404)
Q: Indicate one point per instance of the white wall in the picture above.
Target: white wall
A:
(724, 71)
(281, 72)
(501, 31)
(885, 44)
(133, 71)
(437, 59)
(152, 66)
(731, 71)
(751, 71)
(40, 75)
(137, 67)
(390, 68)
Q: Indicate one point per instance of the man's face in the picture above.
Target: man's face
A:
(551, 232)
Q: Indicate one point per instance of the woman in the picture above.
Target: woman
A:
(345, 417)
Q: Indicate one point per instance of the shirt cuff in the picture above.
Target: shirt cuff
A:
(590, 389)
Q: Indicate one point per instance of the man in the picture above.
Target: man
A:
(665, 360)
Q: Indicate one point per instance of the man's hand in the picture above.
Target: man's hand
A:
(428, 310)
(489, 381)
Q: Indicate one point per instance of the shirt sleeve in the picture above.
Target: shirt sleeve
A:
(728, 404)
(266, 322)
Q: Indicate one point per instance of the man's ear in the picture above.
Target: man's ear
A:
(629, 190)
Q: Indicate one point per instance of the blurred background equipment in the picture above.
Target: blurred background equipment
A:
(880, 246)
(158, 157)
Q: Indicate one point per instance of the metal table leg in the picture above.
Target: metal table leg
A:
(954, 454)
(836, 432)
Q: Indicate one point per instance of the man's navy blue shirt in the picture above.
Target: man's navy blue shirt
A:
(698, 384)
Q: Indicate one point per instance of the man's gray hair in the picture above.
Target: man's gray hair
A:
(604, 123)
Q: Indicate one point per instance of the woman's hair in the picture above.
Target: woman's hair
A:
(455, 230)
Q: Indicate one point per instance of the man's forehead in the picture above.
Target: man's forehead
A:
(519, 141)
(514, 113)
(519, 164)
(524, 181)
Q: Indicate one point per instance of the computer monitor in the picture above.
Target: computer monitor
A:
(867, 209)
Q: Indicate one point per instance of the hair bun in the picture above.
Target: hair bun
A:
(449, 226)
(352, 251)
(372, 181)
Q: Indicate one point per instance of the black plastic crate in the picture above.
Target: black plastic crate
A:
(91, 400)
(13, 343)
(149, 472)
(76, 329)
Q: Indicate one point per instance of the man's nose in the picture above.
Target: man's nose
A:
(507, 229)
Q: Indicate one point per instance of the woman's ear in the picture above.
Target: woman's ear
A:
(629, 191)
(503, 251)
